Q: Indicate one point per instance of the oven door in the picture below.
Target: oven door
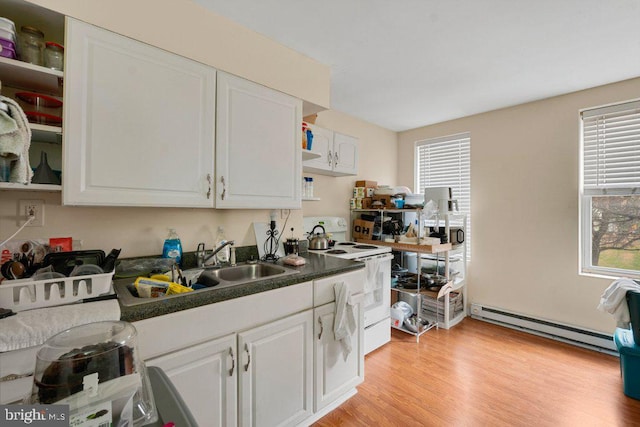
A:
(377, 288)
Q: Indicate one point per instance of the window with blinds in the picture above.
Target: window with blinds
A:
(446, 162)
(610, 189)
(611, 149)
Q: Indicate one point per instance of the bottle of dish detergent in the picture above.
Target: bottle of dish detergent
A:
(223, 255)
(172, 247)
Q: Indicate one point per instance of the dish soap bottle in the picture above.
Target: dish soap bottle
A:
(172, 247)
(222, 255)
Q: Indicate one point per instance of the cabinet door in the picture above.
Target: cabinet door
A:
(276, 372)
(336, 371)
(323, 145)
(345, 154)
(258, 150)
(139, 123)
(205, 375)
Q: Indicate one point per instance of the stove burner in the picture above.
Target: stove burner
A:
(337, 251)
(346, 243)
(365, 247)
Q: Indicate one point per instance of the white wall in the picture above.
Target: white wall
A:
(141, 231)
(190, 30)
(524, 186)
(187, 29)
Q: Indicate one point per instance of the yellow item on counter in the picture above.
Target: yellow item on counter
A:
(175, 288)
(162, 277)
(153, 288)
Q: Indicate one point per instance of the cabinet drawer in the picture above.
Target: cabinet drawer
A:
(323, 289)
(207, 322)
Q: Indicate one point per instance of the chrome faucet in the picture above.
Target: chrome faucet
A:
(216, 250)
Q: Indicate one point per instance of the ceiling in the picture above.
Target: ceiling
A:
(403, 64)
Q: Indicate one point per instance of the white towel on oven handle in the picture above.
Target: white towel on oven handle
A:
(344, 322)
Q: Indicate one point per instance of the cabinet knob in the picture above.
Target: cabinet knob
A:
(209, 181)
(329, 158)
(224, 187)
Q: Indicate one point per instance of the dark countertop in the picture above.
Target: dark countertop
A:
(317, 266)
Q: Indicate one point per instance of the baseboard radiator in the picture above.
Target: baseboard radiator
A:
(569, 334)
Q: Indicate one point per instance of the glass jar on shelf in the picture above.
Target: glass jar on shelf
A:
(54, 56)
(31, 45)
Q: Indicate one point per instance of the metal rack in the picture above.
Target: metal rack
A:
(442, 297)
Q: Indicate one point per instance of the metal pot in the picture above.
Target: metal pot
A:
(318, 241)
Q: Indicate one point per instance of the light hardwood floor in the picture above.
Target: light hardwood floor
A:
(480, 374)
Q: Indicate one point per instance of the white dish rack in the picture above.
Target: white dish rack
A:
(25, 294)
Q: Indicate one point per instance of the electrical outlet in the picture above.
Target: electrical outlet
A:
(476, 309)
(27, 208)
(284, 213)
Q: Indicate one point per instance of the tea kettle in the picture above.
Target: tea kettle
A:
(318, 241)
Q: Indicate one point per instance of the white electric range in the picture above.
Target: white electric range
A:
(377, 287)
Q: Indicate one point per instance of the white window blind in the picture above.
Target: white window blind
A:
(611, 149)
(446, 162)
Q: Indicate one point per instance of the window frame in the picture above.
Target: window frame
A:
(585, 214)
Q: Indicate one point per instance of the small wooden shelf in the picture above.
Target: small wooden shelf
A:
(406, 247)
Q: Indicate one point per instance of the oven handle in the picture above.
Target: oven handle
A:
(379, 257)
(356, 298)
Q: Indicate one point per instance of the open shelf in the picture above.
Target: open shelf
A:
(33, 77)
(308, 155)
(44, 133)
(407, 247)
(30, 187)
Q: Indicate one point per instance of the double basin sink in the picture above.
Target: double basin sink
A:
(205, 279)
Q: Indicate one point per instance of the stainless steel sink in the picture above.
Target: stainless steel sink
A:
(206, 279)
(245, 272)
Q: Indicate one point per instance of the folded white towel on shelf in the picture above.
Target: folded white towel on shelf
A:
(613, 300)
(15, 140)
(33, 327)
(344, 322)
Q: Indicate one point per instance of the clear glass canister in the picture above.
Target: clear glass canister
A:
(31, 45)
(54, 56)
(97, 371)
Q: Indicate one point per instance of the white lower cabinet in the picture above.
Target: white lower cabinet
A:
(336, 370)
(268, 359)
(206, 377)
(276, 372)
(260, 377)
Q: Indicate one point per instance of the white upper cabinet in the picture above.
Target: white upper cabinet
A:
(345, 154)
(338, 153)
(139, 123)
(258, 146)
